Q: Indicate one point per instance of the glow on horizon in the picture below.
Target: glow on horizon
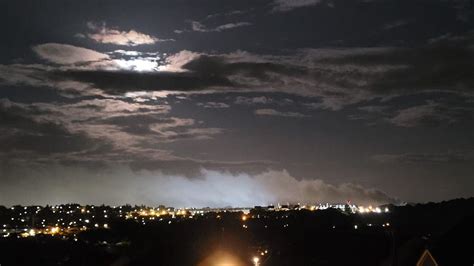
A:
(207, 189)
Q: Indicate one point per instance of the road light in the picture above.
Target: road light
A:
(256, 261)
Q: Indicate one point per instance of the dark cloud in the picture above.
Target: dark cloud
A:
(100, 131)
(262, 100)
(106, 35)
(396, 24)
(287, 5)
(22, 133)
(120, 82)
(430, 114)
(214, 105)
(444, 65)
(273, 112)
(65, 54)
(338, 77)
(226, 14)
(197, 26)
(436, 158)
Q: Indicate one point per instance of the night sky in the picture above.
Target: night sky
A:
(235, 102)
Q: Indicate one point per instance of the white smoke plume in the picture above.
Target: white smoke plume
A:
(211, 188)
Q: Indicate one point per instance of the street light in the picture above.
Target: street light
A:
(256, 261)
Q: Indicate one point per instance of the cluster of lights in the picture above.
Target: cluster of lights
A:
(370, 209)
(80, 218)
(62, 220)
(256, 259)
(147, 213)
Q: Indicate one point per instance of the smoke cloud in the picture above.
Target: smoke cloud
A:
(211, 188)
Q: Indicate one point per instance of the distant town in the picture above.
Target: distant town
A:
(67, 220)
(280, 234)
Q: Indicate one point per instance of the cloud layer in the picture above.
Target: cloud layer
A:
(197, 26)
(213, 189)
(287, 5)
(273, 112)
(103, 34)
(65, 54)
(434, 158)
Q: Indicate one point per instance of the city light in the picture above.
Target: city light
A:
(67, 220)
(54, 230)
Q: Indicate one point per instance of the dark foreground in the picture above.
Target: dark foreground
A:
(329, 237)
